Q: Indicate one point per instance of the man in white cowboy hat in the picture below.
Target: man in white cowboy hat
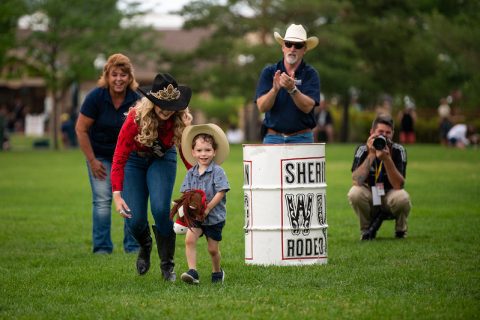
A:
(288, 91)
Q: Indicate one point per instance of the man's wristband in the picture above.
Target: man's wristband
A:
(293, 91)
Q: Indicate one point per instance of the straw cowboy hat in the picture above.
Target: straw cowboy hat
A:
(167, 94)
(223, 148)
(296, 33)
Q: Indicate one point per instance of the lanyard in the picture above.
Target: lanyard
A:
(378, 171)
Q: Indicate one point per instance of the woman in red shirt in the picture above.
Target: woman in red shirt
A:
(144, 165)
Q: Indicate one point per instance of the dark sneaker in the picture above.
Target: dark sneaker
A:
(368, 236)
(400, 234)
(218, 277)
(365, 236)
(191, 277)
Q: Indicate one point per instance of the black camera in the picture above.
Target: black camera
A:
(380, 142)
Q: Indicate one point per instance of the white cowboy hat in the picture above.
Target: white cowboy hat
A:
(223, 148)
(296, 33)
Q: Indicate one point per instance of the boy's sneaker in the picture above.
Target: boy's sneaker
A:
(366, 235)
(400, 234)
(191, 277)
(218, 276)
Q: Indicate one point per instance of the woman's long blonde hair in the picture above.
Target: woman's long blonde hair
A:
(147, 122)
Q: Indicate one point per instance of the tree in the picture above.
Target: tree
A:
(242, 44)
(455, 32)
(10, 11)
(65, 37)
(242, 40)
(424, 49)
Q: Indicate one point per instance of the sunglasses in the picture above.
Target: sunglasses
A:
(297, 45)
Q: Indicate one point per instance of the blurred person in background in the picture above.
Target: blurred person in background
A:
(101, 117)
(17, 117)
(288, 91)
(462, 135)
(235, 134)
(144, 168)
(69, 138)
(323, 132)
(445, 121)
(407, 118)
(4, 138)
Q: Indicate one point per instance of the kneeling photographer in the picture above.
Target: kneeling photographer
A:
(378, 173)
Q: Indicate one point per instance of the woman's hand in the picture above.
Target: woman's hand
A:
(121, 205)
(98, 170)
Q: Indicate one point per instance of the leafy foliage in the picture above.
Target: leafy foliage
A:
(65, 37)
(424, 49)
(10, 11)
(68, 35)
(223, 110)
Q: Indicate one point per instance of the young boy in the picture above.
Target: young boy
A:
(206, 147)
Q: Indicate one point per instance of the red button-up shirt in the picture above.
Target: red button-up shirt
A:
(126, 144)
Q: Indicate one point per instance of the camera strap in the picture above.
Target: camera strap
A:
(378, 189)
(378, 170)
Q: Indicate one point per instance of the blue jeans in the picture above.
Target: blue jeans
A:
(270, 138)
(102, 214)
(152, 178)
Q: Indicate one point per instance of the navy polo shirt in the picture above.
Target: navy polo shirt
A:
(103, 134)
(213, 180)
(285, 116)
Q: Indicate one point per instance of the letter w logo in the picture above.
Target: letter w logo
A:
(299, 212)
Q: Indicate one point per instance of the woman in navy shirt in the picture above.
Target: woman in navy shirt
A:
(101, 117)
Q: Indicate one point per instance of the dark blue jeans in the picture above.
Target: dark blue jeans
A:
(102, 214)
(306, 137)
(152, 178)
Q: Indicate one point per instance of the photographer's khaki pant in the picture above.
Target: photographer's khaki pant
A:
(397, 202)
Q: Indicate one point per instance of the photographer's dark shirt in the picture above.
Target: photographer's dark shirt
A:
(399, 157)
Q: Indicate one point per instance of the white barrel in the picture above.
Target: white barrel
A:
(285, 204)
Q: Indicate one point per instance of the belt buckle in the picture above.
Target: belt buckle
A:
(144, 154)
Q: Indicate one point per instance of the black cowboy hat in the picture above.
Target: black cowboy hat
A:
(167, 94)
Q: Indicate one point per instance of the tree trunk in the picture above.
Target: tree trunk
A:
(54, 120)
(345, 124)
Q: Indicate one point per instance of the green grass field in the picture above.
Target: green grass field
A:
(48, 271)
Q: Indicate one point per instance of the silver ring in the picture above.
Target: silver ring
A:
(121, 211)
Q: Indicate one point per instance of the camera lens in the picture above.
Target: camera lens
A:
(379, 143)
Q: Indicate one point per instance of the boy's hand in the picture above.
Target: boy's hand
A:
(206, 212)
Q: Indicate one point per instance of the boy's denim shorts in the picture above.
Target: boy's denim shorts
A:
(213, 232)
